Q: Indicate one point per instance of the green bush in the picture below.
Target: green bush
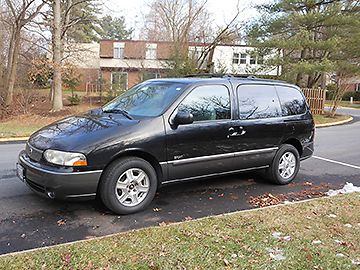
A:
(74, 100)
(355, 95)
(331, 91)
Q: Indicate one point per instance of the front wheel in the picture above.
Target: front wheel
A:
(285, 165)
(128, 185)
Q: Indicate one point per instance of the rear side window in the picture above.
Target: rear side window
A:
(258, 101)
(208, 102)
(292, 101)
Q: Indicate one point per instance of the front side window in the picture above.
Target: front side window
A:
(258, 101)
(292, 101)
(208, 102)
(147, 99)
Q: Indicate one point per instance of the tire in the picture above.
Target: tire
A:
(128, 185)
(283, 176)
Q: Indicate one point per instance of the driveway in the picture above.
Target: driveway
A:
(28, 221)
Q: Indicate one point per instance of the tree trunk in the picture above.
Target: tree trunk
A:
(57, 101)
(13, 61)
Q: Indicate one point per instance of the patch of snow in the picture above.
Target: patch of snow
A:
(286, 202)
(276, 254)
(348, 188)
(339, 242)
(347, 225)
(277, 235)
(316, 242)
(332, 216)
(340, 255)
(233, 255)
(356, 261)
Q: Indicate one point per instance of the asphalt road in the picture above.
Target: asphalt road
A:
(28, 221)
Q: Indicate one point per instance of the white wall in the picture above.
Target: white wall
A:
(223, 60)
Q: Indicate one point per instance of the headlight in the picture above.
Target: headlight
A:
(65, 158)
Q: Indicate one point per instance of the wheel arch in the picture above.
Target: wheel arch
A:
(296, 143)
(140, 154)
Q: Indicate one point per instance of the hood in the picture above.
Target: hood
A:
(83, 133)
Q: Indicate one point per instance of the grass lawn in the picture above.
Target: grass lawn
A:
(321, 234)
(24, 125)
(345, 104)
(325, 118)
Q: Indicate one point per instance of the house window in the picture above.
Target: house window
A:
(243, 57)
(252, 59)
(119, 50)
(119, 80)
(260, 60)
(236, 58)
(357, 87)
(151, 51)
(150, 75)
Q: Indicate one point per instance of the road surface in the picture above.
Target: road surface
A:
(28, 221)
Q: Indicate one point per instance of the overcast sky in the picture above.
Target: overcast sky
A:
(222, 10)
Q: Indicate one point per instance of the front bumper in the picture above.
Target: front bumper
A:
(58, 183)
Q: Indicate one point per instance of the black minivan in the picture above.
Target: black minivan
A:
(167, 130)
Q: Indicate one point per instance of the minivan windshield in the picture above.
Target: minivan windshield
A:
(146, 99)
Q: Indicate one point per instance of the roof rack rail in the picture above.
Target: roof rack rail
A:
(221, 75)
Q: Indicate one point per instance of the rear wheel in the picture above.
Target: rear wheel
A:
(128, 185)
(285, 165)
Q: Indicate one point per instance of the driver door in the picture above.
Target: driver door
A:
(203, 147)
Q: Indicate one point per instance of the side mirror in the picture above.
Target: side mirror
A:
(182, 118)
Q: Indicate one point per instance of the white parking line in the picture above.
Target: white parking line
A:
(338, 162)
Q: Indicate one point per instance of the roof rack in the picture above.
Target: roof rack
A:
(221, 75)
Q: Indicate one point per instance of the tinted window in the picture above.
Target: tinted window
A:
(208, 102)
(258, 101)
(292, 101)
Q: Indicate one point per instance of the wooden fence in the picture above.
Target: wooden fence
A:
(315, 99)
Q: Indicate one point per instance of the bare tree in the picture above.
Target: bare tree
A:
(185, 21)
(21, 13)
(176, 20)
(57, 53)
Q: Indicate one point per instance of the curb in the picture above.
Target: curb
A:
(351, 108)
(14, 139)
(335, 123)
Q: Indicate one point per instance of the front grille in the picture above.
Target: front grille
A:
(33, 153)
(37, 187)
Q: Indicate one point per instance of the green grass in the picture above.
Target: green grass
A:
(325, 118)
(237, 241)
(345, 104)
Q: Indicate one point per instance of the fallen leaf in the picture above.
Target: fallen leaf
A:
(61, 222)
(67, 259)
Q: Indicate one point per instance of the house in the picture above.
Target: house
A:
(120, 64)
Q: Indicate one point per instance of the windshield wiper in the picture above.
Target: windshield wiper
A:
(123, 112)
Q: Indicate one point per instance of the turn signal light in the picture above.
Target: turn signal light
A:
(80, 163)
